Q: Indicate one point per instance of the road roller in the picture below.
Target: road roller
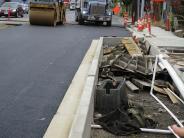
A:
(46, 12)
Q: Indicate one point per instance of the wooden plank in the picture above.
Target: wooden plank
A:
(170, 86)
(132, 87)
(142, 84)
(171, 96)
(159, 90)
(131, 46)
(107, 50)
(181, 63)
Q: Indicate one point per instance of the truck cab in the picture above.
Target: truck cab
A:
(97, 11)
(72, 5)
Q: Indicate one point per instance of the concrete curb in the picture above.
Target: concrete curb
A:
(13, 22)
(62, 121)
(81, 126)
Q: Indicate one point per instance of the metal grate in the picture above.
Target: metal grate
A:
(97, 9)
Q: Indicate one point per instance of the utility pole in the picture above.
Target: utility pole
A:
(164, 9)
(142, 8)
(138, 8)
(134, 10)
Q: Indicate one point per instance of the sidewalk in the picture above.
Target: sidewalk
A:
(14, 21)
(159, 37)
(117, 20)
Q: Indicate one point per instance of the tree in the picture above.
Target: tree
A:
(127, 2)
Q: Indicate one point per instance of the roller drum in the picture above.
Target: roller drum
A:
(42, 16)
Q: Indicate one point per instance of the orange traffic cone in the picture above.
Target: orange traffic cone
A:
(139, 25)
(167, 24)
(142, 24)
(145, 21)
(149, 23)
(116, 10)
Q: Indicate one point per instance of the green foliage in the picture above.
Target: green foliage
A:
(127, 2)
(115, 1)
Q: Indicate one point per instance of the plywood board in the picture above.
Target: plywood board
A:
(131, 46)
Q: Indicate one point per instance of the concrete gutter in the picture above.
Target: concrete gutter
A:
(75, 102)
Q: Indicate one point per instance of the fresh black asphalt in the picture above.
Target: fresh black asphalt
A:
(37, 64)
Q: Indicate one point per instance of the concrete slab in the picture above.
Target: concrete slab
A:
(165, 42)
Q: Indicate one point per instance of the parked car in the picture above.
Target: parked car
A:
(12, 8)
(25, 8)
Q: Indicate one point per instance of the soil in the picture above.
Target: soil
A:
(153, 109)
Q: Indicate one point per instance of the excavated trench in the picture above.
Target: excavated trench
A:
(123, 103)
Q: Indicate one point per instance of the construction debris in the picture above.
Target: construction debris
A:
(131, 47)
(171, 96)
(128, 62)
(110, 95)
(123, 122)
(142, 84)
(132, 87)
(127, 56)
(159, 90)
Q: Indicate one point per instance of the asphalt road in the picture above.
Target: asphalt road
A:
(37, 64)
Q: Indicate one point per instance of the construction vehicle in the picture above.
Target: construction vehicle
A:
(72, 4)
(46, 12)
(97, 11)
